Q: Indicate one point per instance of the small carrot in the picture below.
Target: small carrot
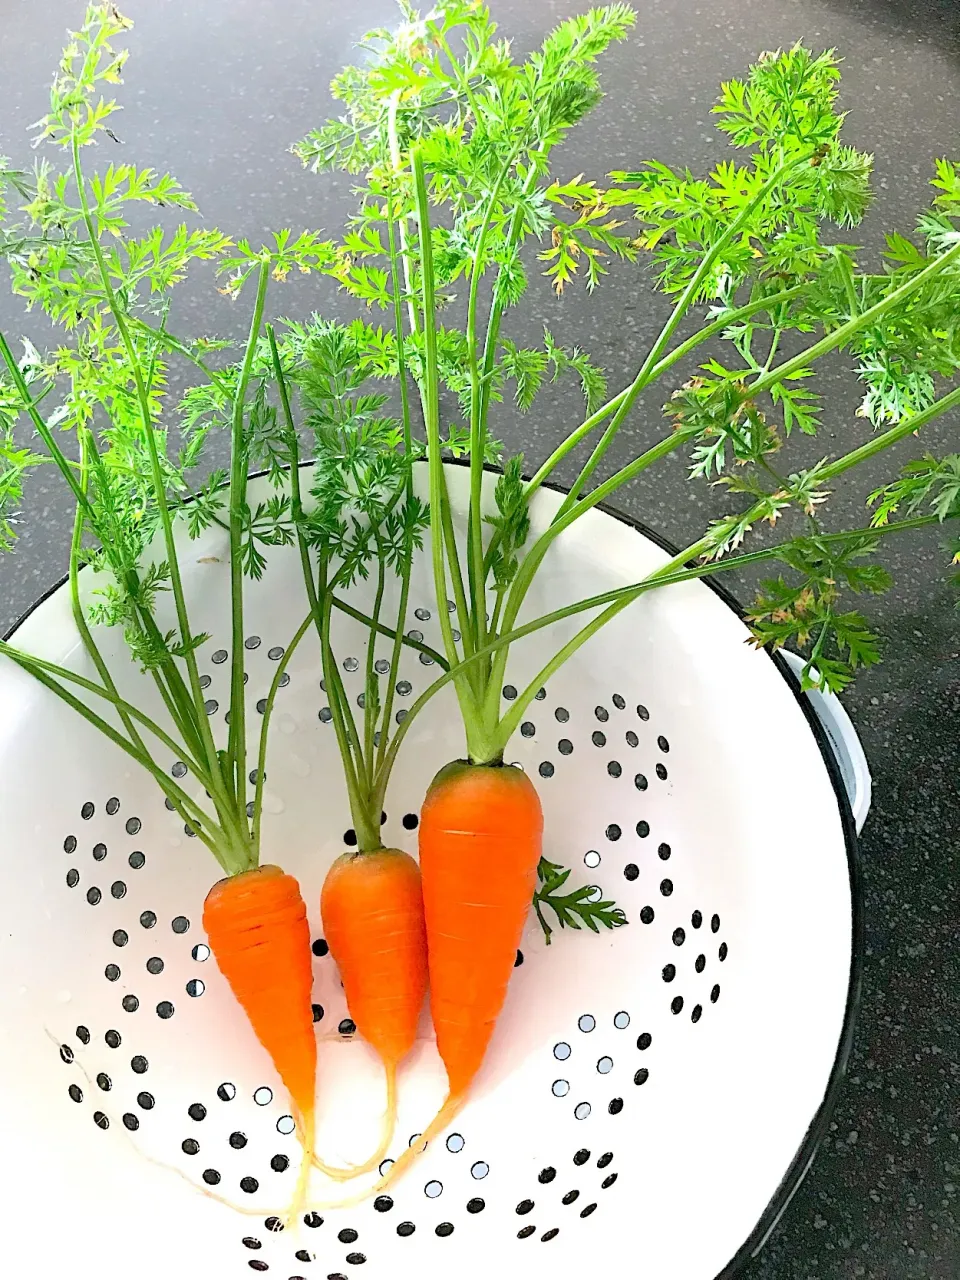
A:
(372, 909)
(480, 838)
(481, 832)
(256, 923)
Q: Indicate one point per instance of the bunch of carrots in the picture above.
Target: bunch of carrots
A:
(440, 116)
(389, 920)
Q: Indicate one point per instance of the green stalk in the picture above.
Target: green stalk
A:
(510, 722)
(367, 826)
(318, 596)
(683, 304)
(500, 595)
(476, 574)
(489, 362)
(157, 472)
(41, 670)
(453, 562)
(496, 305)
(267, 714)
(390, 697)
(534, 557)
(622, 596)
(439, 503)
(704, 546)
(829, 343)
(774, 344)
(836, 338)
(397, 164)
(79, 619)
(320, 616)
(392, 633)
(335, 688)
(892, 435)
(371, 696)
(345, 730)
(458, 75)
(406, 561)
(237, 742)
(445, 522)
(67, 468)
(152, 367)
(348, 742)
(119, 703)
(166, 339)
(167, 678)
(543, 472)
(846, 273)
(358, 763)
(338, 602)
(690, 573)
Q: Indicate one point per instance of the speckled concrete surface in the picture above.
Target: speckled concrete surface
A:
(217, 91)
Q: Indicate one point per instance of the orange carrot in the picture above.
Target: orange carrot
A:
(372, 910)
(256, 923)
(480, 839)
(481, 832)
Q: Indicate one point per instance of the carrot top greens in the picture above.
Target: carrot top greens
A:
(452, 144)
(140, 491)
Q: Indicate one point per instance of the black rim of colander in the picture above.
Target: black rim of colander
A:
(799, 1167)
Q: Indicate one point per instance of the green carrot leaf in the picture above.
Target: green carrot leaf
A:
(583, 906)
(512, 523)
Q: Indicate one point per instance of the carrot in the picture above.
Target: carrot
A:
(256, 923)
(481, 832)
(480, 838)
(372, 910)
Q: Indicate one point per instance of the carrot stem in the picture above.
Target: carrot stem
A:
(392, 633)
(358, 764)
(176, 698)
(264, 730)
(237, 740)
(188, 810)
(371, 691)
(388, 1128)
(79, 618)
(406, 559)
(366, 824)
(683, 304)
(150, 441)
(631, 593)
(443, 544)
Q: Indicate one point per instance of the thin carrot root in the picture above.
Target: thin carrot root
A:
(451, 1108)
(387, 1131)
(372, 910)
(302, 1190)
(156, 1163)
(256, 924)
(444, 1117)
(246, 1210)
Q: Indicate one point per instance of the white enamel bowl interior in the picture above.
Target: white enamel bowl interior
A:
(646, 1090)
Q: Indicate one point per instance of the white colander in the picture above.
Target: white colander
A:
(652, 1096)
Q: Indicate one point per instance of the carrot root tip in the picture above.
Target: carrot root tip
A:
(445, 1116)
(387, 1131)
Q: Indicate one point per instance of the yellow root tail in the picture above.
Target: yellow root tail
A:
(386, 1136)
(156, 1163)
(302, 1189)
(445, 1116)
